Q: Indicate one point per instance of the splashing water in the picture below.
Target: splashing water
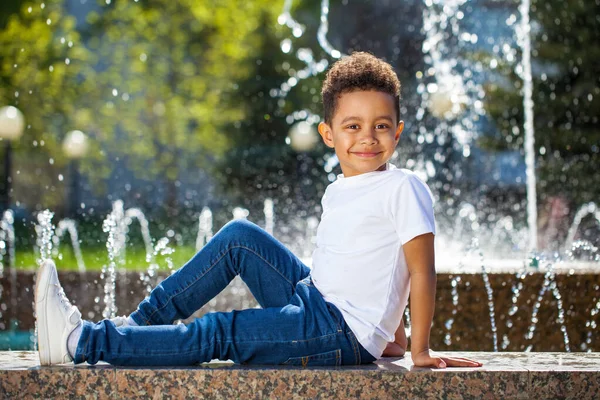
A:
(305, 55)
(323, 29)
(523, 32)
(472, 248)
(448, 325)
(488, 288)
(116, 225)
(312, 223)
(162, 248)
(549, 283)
(45, 232)
(269, 216)
(583, 250)
(240, 213)
(136, 213)
(119, 231)
(115, 246)
(591, 324)
(584, 211)
(516, 289)
(205, 228)
(7, 245)
(7, 239)
(448, 88)
(68, 225)
(285, 18)
(468, 214)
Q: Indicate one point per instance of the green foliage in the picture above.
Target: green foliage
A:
(260, 163)
(41, 63)
(151, 82)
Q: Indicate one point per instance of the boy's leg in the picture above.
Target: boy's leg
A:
(308, 331)
(269, 269)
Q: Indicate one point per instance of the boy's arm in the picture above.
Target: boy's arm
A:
(397, 348)
(419, 253)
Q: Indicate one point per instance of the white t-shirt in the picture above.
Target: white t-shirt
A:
(359, 264)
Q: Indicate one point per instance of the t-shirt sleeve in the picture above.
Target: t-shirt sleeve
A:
(412, 209)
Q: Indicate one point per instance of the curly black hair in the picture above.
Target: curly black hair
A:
(358, 71)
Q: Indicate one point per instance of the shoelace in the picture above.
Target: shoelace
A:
(64, 301)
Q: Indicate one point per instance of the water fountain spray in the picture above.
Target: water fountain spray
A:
(162, 248)
(45, 232)
(115, 246)
(68, 225)
(523, 32)
(549, 283)
(305, 55)
(7, 239)
(269, 216)
(584, 211)
(205, 228)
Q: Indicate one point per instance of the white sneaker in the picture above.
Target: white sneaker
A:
(56, 316)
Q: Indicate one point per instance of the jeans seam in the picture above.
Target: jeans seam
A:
(336, 321)
(219, 258)
(122, 353)
(354, 343)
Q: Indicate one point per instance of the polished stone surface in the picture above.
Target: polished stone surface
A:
(503, 376)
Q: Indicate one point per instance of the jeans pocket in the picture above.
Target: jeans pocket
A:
(329, 359)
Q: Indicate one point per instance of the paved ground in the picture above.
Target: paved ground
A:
(503, 376)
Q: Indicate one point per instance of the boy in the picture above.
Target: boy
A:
(374, 243)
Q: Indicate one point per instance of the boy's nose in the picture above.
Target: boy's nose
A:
(368, 136)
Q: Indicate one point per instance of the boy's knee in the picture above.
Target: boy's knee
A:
(239, 227)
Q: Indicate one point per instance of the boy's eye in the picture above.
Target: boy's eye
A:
(381, 126)
(353, 126)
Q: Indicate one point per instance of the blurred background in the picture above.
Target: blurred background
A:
(173, 106)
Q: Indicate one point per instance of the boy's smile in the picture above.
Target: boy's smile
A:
(363, 131)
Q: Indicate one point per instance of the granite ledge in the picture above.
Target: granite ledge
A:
(504, 375)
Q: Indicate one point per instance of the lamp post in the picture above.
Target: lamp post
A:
(302, 138)
(75, 147)
(11, 128)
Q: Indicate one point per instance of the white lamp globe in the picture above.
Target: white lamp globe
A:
(11, 123)
(75, 144)
(302, 136)
(446, 102)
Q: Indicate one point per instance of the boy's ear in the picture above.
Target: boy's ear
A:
(326, 134)
(399, 130)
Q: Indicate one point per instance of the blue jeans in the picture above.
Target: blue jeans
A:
(295, 325)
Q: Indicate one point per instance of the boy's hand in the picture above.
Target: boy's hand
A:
(428, 358)
(393, 349)
(397, 348)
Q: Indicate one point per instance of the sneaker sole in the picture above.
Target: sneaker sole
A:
(42, 280)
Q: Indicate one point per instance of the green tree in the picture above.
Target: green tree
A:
(42, 65)
(153, 83)
(166, 79)
(260, 163)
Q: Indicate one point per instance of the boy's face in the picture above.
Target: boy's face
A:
(363, 131)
